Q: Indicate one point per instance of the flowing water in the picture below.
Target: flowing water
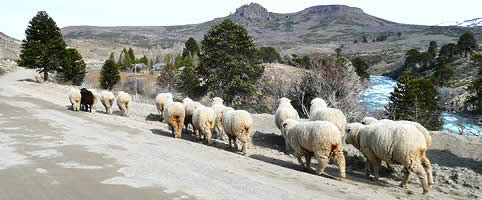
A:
(376, 97)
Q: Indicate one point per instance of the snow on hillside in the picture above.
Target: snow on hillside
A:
(467, 23)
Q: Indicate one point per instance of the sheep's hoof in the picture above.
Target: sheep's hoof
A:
(425, 192)
(342, 179)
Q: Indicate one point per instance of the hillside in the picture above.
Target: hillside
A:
(9, 47)
(318, 29)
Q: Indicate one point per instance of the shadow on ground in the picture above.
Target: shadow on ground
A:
(448, 159)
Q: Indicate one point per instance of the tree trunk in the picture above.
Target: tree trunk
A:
(46, 76)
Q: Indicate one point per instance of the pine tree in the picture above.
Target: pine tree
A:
(44, 46)
(189, 82)
(467, 43)
(412, 57)
(415, 100)
(109, 75)
(191, 47)
(432, 49)
(442, 75)
(229, 62)
(131, 54)
(73, 67)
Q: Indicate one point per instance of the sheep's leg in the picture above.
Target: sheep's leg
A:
(375, 163)
(406, 177)
(301, 162)
(308, 161)
(235, 141)
(287, 147)
(340, 162)
(418, 169)
(323, 159)
(428, 169)
(245, 148)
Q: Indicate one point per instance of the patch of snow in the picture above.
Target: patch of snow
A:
(74, 165)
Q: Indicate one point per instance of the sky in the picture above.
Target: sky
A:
(16, 14)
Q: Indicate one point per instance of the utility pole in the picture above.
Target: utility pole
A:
(135, 74)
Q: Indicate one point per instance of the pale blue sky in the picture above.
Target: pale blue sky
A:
(15, 14)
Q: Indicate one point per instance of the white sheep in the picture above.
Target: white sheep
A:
(219, 108)
(394, 143)
(284, 111)
(237, 124)
(96, 97)
(319, 112)
(315, 138)
(74, 98)
(107, 99)
(203, 120)
(123, 102)
(162, 99)
(423, 130)
(189, 108)
(173, 113)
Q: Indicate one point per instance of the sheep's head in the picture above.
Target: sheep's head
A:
(368, 120)
(317, 103)
(185, 100)
(352, 130)
(284, 100)
(217, 100)
(286, 126)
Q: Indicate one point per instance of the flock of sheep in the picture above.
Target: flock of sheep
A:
(395, 142)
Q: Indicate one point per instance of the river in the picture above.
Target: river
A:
(376, 97)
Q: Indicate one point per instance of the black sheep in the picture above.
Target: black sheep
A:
(87, 100)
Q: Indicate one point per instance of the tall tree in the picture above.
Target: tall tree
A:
(361, 67)
(229, 62)
(191, 47)
(73, 67)
(188, 81)
(467, 43)
(448, 53)
(131, 54)
(432, 49)
(416, 100)
(109, 75)
(412, 57)
(442, 75)
(269, 55)
(43, 47)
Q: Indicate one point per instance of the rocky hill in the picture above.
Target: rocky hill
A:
(318, 29)
(9, 47)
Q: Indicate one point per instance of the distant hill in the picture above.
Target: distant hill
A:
(476, 22)
(9, 47)
(318, 29)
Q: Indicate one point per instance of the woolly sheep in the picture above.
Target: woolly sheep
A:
(237, 124)
(285, 111)
(189, 108)
(96, 97)
(217, 101)
(74, 98)
(162, 99)
(219, 108)
(107, 99)
(86, 100)
(319, 112)
(203, 120)
(123, 102)
(173, 113)
(423, 130)
(319, 138)
(394, 143)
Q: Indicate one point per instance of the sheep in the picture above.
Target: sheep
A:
(284, 111)
(394, 143)
(219, 108)
(237, 124)
(189, 107)
(123, 102)
(423, 130)
(162, 99)
(315, 138)
(96, 97)
(74, 97)
(319, 111)
(86, 100)
(107, 99)
(173, 113)
(203, 120)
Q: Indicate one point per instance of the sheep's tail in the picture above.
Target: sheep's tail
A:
(111, 101)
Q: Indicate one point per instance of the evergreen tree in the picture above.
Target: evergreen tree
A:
(229, 62)
(432, 49)
(131, 54)
(474, 100)
(361, 67)
(143, 60)
(269, 55)
(442, 75)
(191, 48)
(44, 46)
(415, 100)
(448, 53)
(109, 75)
(179, 61)
(73, 67)
(412, 57)
(189, 82)
(338, 52)
(467, 43)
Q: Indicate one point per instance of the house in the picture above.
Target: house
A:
(158, 67)
(140, 67)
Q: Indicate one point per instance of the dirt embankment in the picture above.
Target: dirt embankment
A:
(456, 159)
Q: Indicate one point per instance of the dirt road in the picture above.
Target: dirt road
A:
(48, 151)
